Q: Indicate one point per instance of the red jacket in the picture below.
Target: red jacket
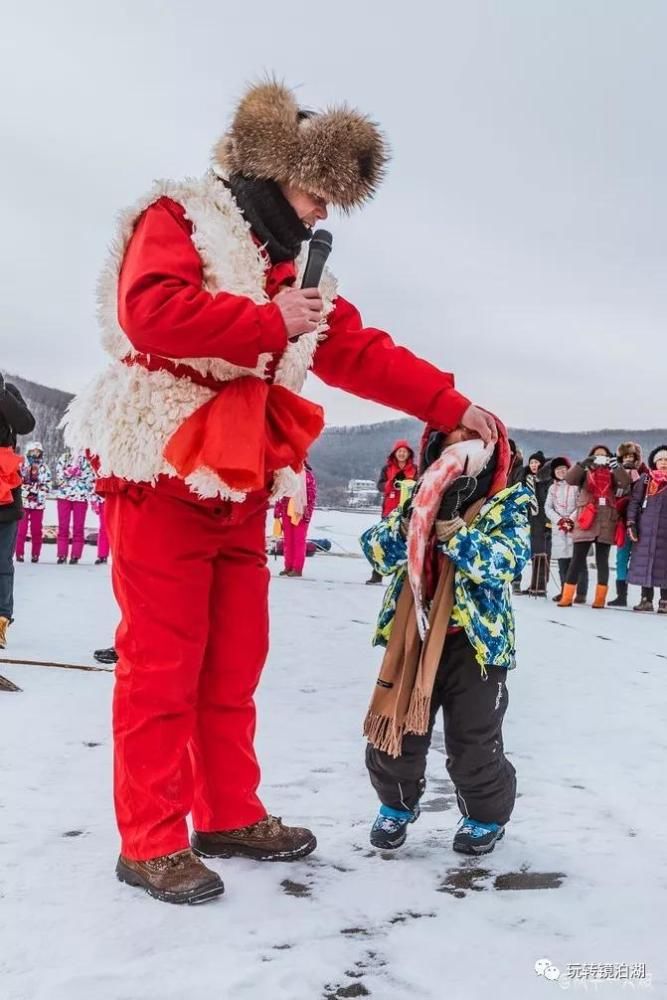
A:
(164, 310)
(388, 485)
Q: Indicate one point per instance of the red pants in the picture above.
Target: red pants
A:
(73, 511)
(294, 544)
(192, 584)
(33, 519)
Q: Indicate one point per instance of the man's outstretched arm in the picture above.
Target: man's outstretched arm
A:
(367, 363)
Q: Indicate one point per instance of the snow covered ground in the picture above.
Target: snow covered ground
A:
(581, 876)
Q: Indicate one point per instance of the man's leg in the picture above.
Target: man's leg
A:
(64, 515)
(21, 535)
(36, 532)
(226, 772)
(78, 530)
(474, 709)
(162, 577)
(8, 532)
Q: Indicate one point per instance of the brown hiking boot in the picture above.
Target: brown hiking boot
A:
(4, 625)
(644, 605)
(172, 878)
(662, 607)
(268, 840)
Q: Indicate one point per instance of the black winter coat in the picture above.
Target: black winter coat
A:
(15, 418)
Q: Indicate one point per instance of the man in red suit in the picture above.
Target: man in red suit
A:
(193, 427)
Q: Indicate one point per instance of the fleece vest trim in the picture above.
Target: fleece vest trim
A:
(127, 414)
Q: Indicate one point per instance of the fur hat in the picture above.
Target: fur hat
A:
(628, 449)
(338, 154)
(34, 446)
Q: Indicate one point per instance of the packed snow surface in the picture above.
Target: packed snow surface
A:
(581, 876)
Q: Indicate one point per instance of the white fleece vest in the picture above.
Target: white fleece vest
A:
(127, 415)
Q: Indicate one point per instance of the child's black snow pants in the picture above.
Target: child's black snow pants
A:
(473, 709)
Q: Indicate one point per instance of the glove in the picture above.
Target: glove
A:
(613, 463)
(455, 497)
(399, 477)
(588, 463)
(632, 533)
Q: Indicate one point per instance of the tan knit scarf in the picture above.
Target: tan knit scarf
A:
(401, 699)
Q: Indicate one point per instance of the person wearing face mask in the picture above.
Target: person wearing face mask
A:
(647, 528)
(400, 466)
(197, 423)
(36, 477)
(560, 507)
(601, 482)
(629, 455)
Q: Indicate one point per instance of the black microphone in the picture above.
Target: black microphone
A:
(318, 252)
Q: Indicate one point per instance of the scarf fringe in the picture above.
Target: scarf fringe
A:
(382, 733)
(416, 720)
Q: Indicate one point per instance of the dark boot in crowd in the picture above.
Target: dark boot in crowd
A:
(374, 578)
(61, 560)
(73, 561)
(20, 559)
(101, 561)
(621, 599)
(516, 587)
(35, 559)
(644, 605)
(268, 840)
(580, 598)
(662, 606)
(172, 878)
(106, 655)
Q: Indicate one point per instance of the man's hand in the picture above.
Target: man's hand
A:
(482, 423)
(632, 533)
(301, 310)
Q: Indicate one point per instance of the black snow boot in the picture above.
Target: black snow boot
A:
(621, 599)
(106, 655)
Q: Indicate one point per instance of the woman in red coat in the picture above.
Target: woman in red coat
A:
(197, 422)
(400, 465)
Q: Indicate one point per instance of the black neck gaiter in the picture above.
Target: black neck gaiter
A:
(270, 216)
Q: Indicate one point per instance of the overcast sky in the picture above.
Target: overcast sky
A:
(519, 240)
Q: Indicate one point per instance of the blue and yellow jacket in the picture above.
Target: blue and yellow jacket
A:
(488, 555)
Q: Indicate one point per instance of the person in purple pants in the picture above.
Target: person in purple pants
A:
(75, 485)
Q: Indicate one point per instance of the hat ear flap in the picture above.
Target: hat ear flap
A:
(343, 157)
(263, 140)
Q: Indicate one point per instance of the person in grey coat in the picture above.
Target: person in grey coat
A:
(647, 527)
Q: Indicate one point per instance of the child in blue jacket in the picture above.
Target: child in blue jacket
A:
(478, 648)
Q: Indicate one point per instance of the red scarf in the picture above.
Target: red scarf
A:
(657, 482)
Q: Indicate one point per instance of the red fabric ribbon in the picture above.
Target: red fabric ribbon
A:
(10, 477)
(249, 430)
